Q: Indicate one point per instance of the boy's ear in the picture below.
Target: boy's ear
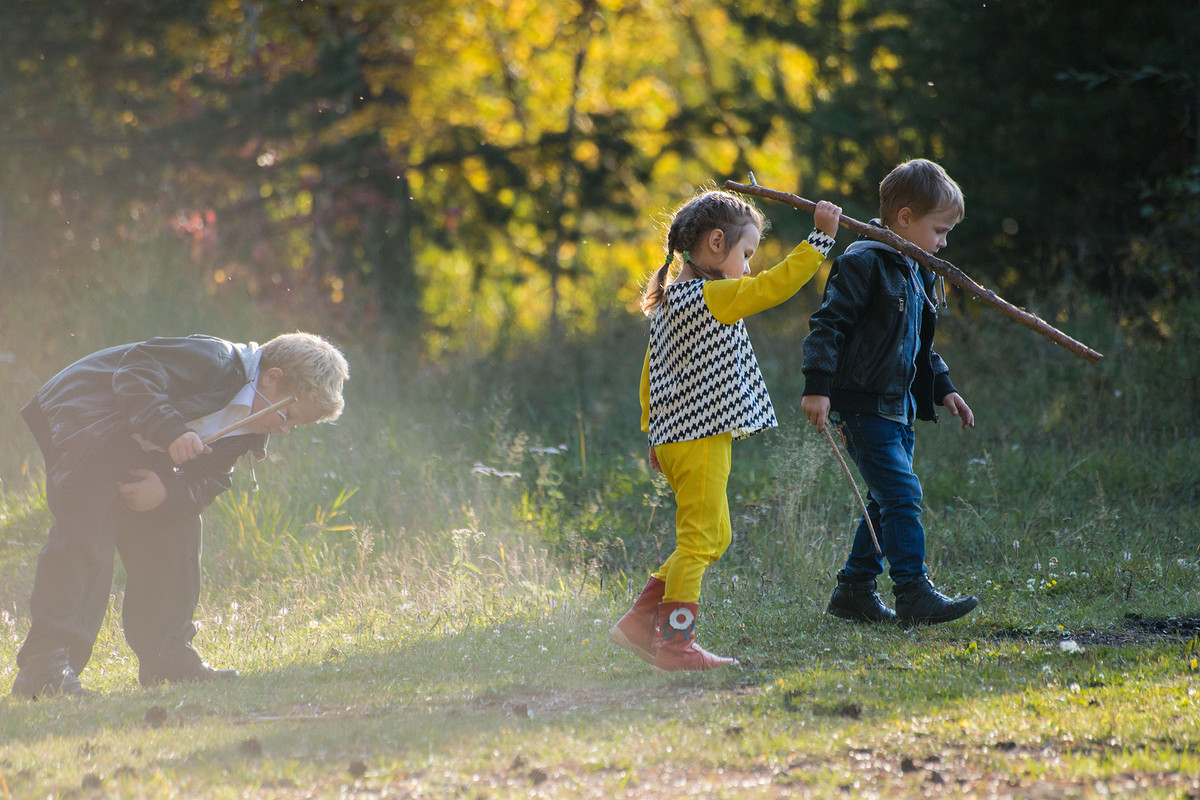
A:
(270, 377)
(904, 217)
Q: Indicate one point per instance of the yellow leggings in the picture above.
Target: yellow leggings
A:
(698, 472)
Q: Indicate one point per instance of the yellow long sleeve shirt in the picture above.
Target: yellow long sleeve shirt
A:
(699, 375)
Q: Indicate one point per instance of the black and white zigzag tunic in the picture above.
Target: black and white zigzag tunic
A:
(701, 377)
(704, 378)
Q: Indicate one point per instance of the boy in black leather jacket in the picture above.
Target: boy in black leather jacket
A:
(123, 435)
(870, 368)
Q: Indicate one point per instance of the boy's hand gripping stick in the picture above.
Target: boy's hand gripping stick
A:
(933, 264)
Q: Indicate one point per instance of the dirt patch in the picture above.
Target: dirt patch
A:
(1001, 770)
(1167, 627)
(1134, 630)
(593, 699)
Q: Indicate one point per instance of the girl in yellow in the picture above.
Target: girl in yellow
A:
(701, 388)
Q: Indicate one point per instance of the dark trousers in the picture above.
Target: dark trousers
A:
(160, 553)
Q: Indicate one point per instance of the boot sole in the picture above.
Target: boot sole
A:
(619, 638)
(909, 622)
(215, 676)
(45, 692)
(734, 663)
(850, 615)
(33, 692)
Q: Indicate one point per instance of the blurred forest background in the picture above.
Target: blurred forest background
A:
(478, 175)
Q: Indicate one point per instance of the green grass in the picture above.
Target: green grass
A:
(470, 699)
(418, 596)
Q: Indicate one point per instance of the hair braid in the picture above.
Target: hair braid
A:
(710, 210)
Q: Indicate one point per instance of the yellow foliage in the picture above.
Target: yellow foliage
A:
(884, 60)
(587, 153)
(888, 19)
(776, 162)
(476, 174)
(648, 98)
(521, 101)
(720, 153)
(304, 202)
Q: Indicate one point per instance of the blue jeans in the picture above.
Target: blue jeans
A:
(883, 451)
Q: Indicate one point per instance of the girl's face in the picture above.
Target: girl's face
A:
(731, 258)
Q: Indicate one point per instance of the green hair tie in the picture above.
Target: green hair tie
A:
(670, 258)
(687, 256)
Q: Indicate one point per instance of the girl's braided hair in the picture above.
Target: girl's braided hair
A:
(710, 210)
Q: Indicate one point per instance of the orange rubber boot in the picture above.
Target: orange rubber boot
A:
(635, 630)
(675, 648)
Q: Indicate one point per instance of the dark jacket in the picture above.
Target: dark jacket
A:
(860, 340)
(149, 388)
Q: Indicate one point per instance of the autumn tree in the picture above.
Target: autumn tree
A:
(484, 172)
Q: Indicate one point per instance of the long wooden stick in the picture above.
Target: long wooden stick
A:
(853, 485)
(271, 409)
(933, 264)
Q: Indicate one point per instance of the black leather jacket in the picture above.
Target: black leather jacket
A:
(150, 388)
(855, 351)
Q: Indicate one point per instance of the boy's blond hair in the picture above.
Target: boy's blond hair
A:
(922, 186)
(312, 367)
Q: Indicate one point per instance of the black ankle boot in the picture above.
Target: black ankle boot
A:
(855, 598)
(917, 602)
(180, 665)
(48, 674)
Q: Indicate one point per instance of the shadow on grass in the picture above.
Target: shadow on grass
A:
(493, 704)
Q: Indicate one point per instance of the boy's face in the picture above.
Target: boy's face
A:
(271, 389)
(928, 231)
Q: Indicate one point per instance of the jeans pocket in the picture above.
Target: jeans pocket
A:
(842, 428)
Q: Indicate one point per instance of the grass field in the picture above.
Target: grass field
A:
(418, 595)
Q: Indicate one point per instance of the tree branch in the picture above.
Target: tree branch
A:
(933, 264)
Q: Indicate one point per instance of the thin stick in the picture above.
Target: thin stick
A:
(854, 486)
(933, 264)
(228, 429)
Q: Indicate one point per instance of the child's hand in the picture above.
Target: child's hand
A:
(187, 447)
(816, 408)
(145, 492)
(654, 460)
(959, 408)
(827, 216)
